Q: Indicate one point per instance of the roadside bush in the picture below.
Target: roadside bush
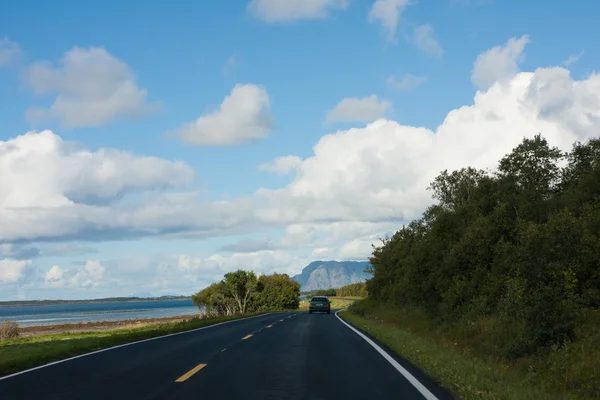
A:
(354, 289)
(323, 292)
(9, 330)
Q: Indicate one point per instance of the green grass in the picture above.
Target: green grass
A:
(23, 353)
(464, 357)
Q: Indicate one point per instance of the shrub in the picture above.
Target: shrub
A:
(9, 330)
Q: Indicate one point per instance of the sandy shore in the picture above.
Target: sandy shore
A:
(99, 325)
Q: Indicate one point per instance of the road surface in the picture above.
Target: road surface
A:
(275, 356)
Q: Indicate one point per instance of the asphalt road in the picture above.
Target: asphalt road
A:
(276, 356)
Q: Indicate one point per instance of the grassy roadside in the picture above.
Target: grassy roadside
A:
(451, 356)
(27, 352)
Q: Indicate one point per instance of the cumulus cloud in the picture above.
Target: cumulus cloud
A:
(388, 12)
(9, 51)
(265, 262)
(281, 165)
(93, 88)
(291, 10)
(407, 82)
(499, 63)
(424, 39)
(12, 271)
(41, 170)
(381, 172)
(365, 180)
(352, 109)
(244, 115)
(90, 276)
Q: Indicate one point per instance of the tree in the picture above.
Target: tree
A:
(214, 300)
(456, 188)
(242, 286)
(277, 292)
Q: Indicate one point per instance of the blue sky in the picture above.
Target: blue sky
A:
(77, 228)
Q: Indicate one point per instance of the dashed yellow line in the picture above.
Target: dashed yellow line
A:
(247, 337)
(269, 326)
(280, 320)
(187, 376)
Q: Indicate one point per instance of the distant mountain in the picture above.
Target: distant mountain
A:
(331, 274)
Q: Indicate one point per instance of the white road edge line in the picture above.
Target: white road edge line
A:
(414, 381)
(126, 344)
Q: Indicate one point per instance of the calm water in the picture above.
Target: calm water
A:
(82, 312)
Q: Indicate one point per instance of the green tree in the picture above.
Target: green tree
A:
(242, 286)
(277, 292)
(215, 300)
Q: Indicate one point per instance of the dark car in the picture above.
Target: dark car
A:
(319, 304)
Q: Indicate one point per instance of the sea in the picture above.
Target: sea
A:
(56, 314)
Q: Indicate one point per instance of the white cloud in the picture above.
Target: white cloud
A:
(291, 10)
(9, 51)
(90, 276)
(12, 271)
(573, 58)
(388, 12)
(54, 276)
(281, 165)
(499, 63)
(407, 82)
(265, 261)
(381, 172)
(357, 249)
(244, 115)
(353, 109)
(362, 181)
(424, 39)
(93, 88)
(41, 170)
(320, 252)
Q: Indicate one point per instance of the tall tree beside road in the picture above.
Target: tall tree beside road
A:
(242, 286)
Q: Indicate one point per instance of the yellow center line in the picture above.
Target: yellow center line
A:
(185, 377)
(280, 320)
(247, 337)
(269, 326)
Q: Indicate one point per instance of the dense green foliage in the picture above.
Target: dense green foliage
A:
(520, 246)
(352, 290)
(322, 292)
(241, 291)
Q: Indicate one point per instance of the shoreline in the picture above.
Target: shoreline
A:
(95, 326)
(30, 303)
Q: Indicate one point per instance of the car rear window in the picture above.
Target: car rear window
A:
(319, 299)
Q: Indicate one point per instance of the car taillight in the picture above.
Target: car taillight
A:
(310, 304)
